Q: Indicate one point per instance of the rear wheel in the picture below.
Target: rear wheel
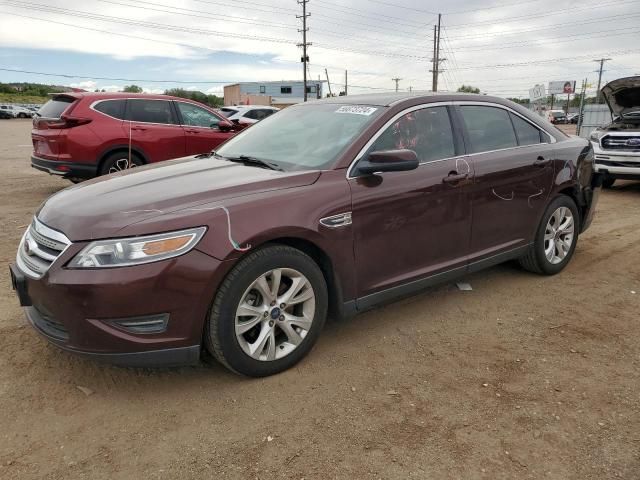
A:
(22, 115)
(555, 239)
(268, 312)
(118, 162)
(608, 181)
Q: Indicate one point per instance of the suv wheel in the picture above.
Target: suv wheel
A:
(268, 312)
(555, 239)
(119, 161)
(22, 115)
(608, 181)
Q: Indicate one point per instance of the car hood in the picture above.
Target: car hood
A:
(100, 208)
(623, 95)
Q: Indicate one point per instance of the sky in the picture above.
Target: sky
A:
(503, 47)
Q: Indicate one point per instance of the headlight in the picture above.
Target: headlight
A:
(122, 252)
(595, 135)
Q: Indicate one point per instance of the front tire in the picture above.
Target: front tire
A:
(268, 312)
(555, 239)
(608, 181)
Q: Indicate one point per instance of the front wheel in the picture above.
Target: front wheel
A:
(268, 312)
(555, 239)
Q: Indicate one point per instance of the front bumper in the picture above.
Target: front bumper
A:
(617, 163)
(64, 169)
(82, 311)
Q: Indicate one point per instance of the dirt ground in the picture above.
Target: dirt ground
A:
(523, 377)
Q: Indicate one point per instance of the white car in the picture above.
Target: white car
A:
(247, 114)
(617, 145)
(16, 111)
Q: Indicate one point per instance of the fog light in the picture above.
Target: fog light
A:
(147, 324)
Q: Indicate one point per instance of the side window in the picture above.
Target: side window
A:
(195, 116)
(427, 132)
(150, 111)
(489, 128)
(527, 133)
(113, 108)
(263, 89)
(252, 114)
(285, 90)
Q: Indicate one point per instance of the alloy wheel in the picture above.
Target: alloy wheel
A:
(275, 314)
(559, 235)
(121, 164)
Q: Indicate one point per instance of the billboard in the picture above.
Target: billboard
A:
(537, 93)
(564, 86)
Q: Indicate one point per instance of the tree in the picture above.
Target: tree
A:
(132, 89)
(211, 100)
(468, 89)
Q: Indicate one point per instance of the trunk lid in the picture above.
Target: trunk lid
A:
(48, 141)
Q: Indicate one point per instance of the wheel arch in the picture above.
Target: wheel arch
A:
(574, 193)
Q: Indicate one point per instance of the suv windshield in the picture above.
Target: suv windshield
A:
(302, 137)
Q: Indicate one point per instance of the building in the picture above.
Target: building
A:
(277, 94)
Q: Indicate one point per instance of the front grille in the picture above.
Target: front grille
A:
(39, 248)
(621, 142)
(610, 163)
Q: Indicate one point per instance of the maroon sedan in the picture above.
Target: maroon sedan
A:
(326, 209)
(84, 135)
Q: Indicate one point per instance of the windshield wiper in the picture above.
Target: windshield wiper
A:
(210, 154)
(248, 160)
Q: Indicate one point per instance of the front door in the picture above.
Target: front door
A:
(513, 162)
(411, 225)
(154, 128)
(201, 128)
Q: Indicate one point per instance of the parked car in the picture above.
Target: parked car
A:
(5, 114)
(17, 111)
(557, 117)
(84, 135)
(328, 208)
(573, 118)
(617, 145)
(246, 115)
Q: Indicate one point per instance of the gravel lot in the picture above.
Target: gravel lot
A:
(523, 377)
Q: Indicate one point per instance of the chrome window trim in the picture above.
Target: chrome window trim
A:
(133, 121)
(387, 124)
(457, 103)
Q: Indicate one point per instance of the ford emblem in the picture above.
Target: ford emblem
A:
(633, 142)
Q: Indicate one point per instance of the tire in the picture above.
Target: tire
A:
(278, 352)
(22, 115)
(536, 260)
(116, 162)
(608, 181)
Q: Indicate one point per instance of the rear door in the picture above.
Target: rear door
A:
(154, 128)
(201, 128)
(513, 163)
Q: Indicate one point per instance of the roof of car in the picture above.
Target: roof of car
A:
(106, 95)
(388, 99)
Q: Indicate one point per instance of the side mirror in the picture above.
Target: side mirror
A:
(225, 126)
(388, 161)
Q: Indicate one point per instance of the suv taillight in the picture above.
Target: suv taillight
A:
(67, 122)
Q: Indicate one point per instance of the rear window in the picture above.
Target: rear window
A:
(227, 112)
(113, 108)
(489, 128)
(527, 133)
(55, 107)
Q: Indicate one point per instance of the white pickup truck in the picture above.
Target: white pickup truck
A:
(617, 145)
(17, 111)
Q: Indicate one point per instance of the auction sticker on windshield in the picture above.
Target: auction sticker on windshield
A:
(356, 109)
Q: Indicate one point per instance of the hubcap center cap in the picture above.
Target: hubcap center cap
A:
(275, 313)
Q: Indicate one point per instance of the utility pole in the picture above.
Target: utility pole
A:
(601, 60)
(397, 80)
(345, 83)
(304, 44)
(436, 54)
(582, 95)
(328, 82)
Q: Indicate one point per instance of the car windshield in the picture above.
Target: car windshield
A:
(302, 137)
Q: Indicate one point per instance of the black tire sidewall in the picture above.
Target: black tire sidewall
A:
(227, 302)
(546, 266)
(111, 159)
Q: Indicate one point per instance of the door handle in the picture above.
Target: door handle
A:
(138, 127)
(192, 131)
(454, 177)
(541, 162)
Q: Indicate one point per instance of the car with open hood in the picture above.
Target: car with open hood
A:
(326, 209)
(617, 144)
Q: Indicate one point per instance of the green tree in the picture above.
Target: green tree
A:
(211, 100)
(468, 89)
(132, 89)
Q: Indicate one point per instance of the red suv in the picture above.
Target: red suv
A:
(84, 135)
